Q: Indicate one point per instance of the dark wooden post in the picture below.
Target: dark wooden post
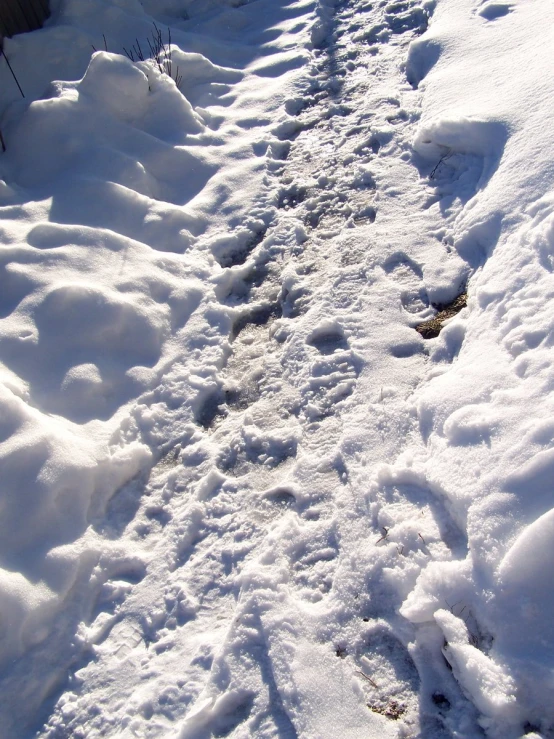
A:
(20, 16)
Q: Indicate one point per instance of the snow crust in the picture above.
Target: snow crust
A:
(240, 495)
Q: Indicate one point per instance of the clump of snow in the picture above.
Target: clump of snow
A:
(114, 84)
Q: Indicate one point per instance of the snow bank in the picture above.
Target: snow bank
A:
(483, 411)
(54, 480)
(486, 87)
(111, 332)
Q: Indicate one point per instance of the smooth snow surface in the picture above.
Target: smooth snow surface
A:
(240, 495)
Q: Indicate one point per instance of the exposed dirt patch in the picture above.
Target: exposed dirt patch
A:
(432, 328)
(391, 709)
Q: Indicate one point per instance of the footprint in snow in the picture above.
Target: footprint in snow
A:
(328, 338)
(388, 673)
(409, 277)
(492, 11)
(314, 561)
(333, 374)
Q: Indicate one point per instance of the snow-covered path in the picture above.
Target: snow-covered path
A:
(242, 495)
(251, 528)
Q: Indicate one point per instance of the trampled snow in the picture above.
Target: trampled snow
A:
(241, 494)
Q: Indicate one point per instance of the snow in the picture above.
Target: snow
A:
(240, 494)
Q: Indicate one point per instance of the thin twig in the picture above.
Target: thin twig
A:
(384, 528)
(452, 607)
(441, 160)
(11, 70)
(368, 679)
(160, 53)
(138, 50)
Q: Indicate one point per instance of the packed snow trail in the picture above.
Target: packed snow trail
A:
(242, 496)
(233, 575)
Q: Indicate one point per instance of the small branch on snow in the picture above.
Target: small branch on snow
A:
(3, 53)
(368, 679)
(160, 53)
(441, 160)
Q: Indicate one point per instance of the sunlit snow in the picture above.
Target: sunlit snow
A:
(276, 370)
